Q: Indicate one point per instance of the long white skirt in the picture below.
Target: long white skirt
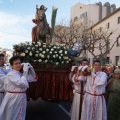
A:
(75, 107)
(13, 107)
(91, 111)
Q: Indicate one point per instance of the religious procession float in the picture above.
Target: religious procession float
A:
(52, 62)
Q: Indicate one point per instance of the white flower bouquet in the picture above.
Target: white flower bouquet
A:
(41, 53)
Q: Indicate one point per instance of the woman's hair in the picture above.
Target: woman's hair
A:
(14, 58)
(41, 7)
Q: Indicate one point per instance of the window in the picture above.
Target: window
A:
(84, 15)
(117, 60)
(107, 60)
(118, 41)
(108, 47)
(118, 20)
(84, 51)
(101, 29)
(76, 18)
(92, 60)
(108, 25)
(89, 60)
(99, 46)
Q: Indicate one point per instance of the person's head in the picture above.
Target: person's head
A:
(2, 59)
(84, 62)
(117, 73)
(15, 62)
(41, 7)
(97, 65)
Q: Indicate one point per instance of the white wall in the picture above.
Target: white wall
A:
(114, 26)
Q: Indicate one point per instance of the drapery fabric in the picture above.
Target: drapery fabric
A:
(52, 83)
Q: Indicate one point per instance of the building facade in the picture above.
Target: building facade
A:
(91, 13)
(110, 23)
(8, 54)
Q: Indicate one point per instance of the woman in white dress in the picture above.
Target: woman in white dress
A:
(13, 106)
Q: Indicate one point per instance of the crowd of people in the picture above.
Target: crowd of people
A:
(96, 91)
(13, 86)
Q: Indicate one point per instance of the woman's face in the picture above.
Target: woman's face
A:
(17, 65)
(117, 75)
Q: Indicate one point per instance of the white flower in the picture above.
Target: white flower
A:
(39, 60)
(67, 61)
(60, 51)
(35, 60)
(55, 52)
(42, 56)
(39, 43)
(57, 44)
(33, 42)
(57, 63)
(37, 52)
(61, 54)
(64, 47)
(40, 49)
(36, 55)
(50, 52)
(36, 45)
(52, 49)
(48, 56)
(56, 55)
(46, 61)
(66, 52)
(59, 57)
(43, 52)
(30, 53)
(47, 50)
(53, 56)
(62, 62)
(44, 46)
(22, 54)
(44, 43)
(51, 44)
(26, 51)
(66, 58)
(58, 47)
(28, 48)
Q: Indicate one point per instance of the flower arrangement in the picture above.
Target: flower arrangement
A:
(42, 53)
